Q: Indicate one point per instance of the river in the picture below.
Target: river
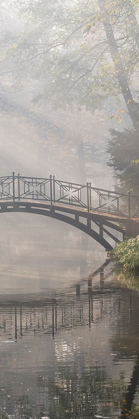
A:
(69, 341)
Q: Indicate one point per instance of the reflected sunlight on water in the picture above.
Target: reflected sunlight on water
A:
(69, 355)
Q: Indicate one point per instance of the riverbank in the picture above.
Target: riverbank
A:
(128, 279)
(126, 255)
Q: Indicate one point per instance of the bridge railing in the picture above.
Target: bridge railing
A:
(6, 188)
(70, 193)
(33, 188)
(90, 198)
(109, 201)
(55, 192)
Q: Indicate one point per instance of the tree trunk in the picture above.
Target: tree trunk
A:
(120, 73)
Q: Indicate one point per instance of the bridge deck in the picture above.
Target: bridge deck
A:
(26, 204)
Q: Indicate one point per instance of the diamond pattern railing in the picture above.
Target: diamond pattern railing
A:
(57, 192)
(33, 188)
(6, 188)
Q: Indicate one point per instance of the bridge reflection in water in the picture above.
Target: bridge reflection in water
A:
(100, 213)
(80, 374)
(83, 305)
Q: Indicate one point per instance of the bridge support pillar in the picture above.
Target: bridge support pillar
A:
(102, 278)
(101, 230)
(89, 286)
(78, 290)
(89, 223)
(76, 218)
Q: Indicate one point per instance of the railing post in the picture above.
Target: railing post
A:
(90, 197)
(88, 206)
(51, 191)
(18, 187)
(53, 319)
(13, 186)
(129, 205)
(108, 200)
(15, 323)
(118, 204)
(54, 188)
(101, 230)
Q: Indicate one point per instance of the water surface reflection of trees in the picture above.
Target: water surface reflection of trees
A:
(83, 393)
(85, 382)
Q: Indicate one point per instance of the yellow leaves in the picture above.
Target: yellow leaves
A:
(107, 69)
(14, 46)
(135, 161)
(120, 119)
(128, 101)
(118, 116)
(134, 2)
(113, 116)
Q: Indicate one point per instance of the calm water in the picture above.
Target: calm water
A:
(69, 344)
(72, 354)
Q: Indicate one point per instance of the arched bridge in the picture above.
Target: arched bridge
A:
(98, 212)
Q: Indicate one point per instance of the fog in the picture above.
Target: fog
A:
(68, 77)
(69, 191)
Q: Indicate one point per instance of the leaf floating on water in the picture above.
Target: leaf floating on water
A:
(101, 417)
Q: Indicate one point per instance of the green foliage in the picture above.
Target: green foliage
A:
(134, 412)
(127, 254)
(123, 149)
(128, 279)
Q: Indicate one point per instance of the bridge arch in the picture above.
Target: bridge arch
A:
(63, 200)
(49, 211)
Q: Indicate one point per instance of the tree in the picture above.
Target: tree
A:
(76, 55)
(123, 149)
(120, 70)
(82, 51)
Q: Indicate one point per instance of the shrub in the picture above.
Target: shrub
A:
(127, 254)
(134, 412)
